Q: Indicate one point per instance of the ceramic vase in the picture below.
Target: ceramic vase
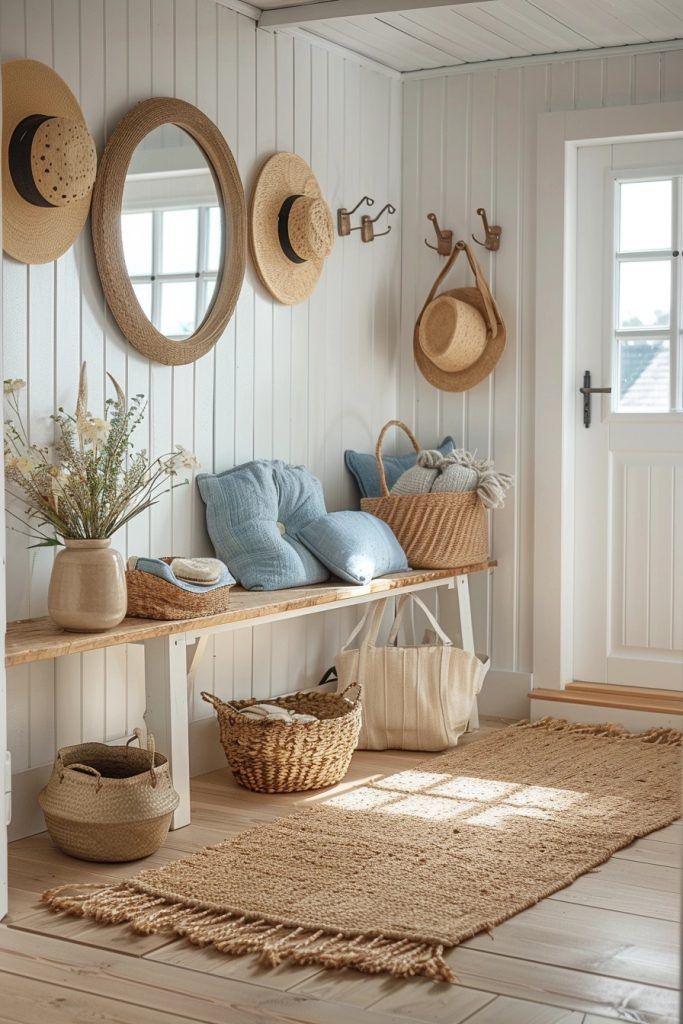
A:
(87, 591)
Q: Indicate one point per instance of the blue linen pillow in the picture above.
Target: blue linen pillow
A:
(363, 467)
(356, 546)
(243, 508)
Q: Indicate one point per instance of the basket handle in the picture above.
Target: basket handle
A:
(350, 687)
(211, 699)
(137, 735)
(378, 451)
(88, 769)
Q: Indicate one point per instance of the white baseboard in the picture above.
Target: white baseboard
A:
(634, 721)
(504, 694)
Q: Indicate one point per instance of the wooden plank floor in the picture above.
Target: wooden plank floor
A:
(605, 948)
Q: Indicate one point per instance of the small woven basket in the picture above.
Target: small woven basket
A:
(107, 803)
(277, 757)
(150, 597)
(446, 530)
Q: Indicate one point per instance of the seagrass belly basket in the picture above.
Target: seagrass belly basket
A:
(443, 530)
(109, 803)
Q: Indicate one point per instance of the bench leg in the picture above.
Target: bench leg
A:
(467, 634)
(166, 714)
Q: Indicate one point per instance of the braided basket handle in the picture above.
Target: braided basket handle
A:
(351, 686)
(137, 735)
(378, 451)
(88, 769)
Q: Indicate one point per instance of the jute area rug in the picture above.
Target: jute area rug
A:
(387, 876)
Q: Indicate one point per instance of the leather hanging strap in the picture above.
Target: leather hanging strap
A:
(492, 312)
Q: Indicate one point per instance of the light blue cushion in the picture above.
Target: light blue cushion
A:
(244, 506)
(364, 467)
(156, 567)
(355, 546)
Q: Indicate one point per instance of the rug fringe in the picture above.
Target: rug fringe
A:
(669, 737)
(228, 932)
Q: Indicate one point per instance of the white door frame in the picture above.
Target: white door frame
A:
(556, 389)
(5, 774)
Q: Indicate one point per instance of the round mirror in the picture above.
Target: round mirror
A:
(169, 225)
(172, 231)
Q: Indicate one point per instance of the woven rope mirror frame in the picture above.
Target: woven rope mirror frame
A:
(107, 235)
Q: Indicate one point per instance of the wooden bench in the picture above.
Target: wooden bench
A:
(169, 673)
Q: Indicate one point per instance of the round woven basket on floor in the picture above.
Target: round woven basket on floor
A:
(107, 803)
(150, 597)
(445, 530)
(276, 757)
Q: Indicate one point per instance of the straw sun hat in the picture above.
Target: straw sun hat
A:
(292, 230)
(459, 336)
(48, 163)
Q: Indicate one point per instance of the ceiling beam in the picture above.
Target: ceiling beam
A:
(323, 10)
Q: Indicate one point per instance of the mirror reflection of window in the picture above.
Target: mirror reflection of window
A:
(172, 231)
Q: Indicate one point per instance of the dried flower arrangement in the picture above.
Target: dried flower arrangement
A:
(93, 481)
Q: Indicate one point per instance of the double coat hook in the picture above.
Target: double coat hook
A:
(444, 239)
(492, 233)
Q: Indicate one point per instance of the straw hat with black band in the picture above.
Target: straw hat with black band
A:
(291, 228)
(49, 163)
(459, 335)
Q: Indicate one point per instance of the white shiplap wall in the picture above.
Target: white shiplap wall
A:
(469, 140)
(296, 383)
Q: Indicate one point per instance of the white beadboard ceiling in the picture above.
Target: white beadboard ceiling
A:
(448, 35)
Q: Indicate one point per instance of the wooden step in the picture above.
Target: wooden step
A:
(612, 695)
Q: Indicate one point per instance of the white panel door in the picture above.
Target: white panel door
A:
(628, 480)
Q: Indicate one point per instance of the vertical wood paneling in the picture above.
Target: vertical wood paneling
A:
(636, 555)
(276, 384)
(470, 139)
(661, 536)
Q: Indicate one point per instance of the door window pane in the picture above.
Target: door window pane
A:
(136, 234)
(143, 292)
(178, 308)
(645, 221)
(643, 375)
(644, 293)
(179, 241)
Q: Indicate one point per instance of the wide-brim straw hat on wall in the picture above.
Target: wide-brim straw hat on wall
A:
(459, 335)
(49, 163)
(291, 228)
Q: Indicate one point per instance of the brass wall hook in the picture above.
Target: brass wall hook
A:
(493, 233)
(367, 224)
(444, 239)
(344, 217)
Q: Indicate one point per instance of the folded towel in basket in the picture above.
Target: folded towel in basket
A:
(157, 567)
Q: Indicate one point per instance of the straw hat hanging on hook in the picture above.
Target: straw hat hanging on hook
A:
(48, 163)
(292, 231)
(459, 335)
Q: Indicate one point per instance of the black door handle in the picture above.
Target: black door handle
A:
(587, 391)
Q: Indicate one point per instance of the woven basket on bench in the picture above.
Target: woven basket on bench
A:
(150, 597)
(276, 757)
(446, 530)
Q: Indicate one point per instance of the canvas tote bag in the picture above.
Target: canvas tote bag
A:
(414, 697)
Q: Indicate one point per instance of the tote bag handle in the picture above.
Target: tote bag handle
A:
(403, 603)
(492, 312)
